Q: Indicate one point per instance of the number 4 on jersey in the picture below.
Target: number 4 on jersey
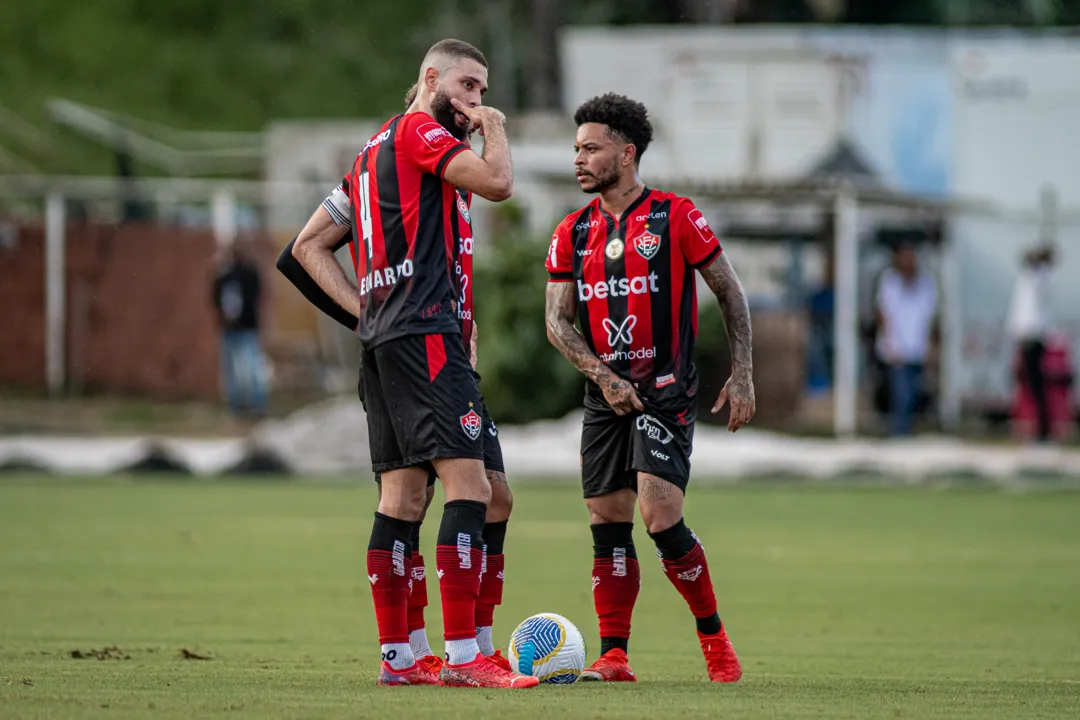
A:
(365, 213)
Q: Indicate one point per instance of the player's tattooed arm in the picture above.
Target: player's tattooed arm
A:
(314, 249)
(739, 389)
(560, 311)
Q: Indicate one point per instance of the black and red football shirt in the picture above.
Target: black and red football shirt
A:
(403, 235)
(463, 265)
(635, 285)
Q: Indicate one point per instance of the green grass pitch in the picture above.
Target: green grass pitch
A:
(843, 602)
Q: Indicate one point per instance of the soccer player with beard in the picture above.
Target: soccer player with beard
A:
(424, 408)
(339, 209)
(623, 266)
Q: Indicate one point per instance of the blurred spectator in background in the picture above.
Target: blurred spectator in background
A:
(237, 293)
(821, 312)
(1029, 327)
(906, 306)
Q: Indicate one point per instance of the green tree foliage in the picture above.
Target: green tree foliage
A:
(524, 377)
(211, 64)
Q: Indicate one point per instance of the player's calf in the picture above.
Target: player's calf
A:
(418, 601)
(388, 566)
(460, 554)
(616, 581)
(683, 560)
(494, 564)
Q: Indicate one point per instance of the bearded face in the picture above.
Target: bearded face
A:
(444, 113)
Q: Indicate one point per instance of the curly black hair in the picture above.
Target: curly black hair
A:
(624, 117)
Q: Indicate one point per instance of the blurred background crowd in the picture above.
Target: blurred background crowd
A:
(893, 181)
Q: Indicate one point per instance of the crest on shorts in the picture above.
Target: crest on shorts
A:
(472, 423)
(647, 245)
(463, 208)
(614, 249)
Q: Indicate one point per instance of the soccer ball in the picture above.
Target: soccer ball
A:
(549, 647)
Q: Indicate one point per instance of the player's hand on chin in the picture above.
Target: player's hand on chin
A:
(480, 115)
(739, 391)
(622, 397)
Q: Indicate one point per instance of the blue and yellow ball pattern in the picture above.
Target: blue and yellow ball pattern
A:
(549, 647)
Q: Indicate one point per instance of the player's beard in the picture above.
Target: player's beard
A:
(445, 114)
(605, 179)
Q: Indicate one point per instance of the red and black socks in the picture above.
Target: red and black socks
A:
(615, 583)
(418, 599)
(388, 567)
(459, 559)
(683, 560)
(491, 584)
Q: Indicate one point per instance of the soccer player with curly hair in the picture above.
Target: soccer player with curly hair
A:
(623, 267)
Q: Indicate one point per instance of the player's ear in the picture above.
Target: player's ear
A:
(431, 78)
(629, 154)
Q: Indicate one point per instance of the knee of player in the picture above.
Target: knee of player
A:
(502, 500)
(659, 522)
(405, 506)
(660, 515)
(616, 507)
(428, 498)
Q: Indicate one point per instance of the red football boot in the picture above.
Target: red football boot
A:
(501, 660)
(720, 658)
(415, 674)
(432, 663)
(612, 666)
(483, 673)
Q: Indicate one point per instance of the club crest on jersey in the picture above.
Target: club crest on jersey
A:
(647, 245)
(472, 423)
(463, 208)
(614, 249)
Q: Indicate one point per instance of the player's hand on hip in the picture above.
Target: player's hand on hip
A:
(622, 397)
(738, 391)
(481, 115)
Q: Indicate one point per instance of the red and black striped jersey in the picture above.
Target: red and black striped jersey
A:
(635, 283)
(463, 265)
(403, 230)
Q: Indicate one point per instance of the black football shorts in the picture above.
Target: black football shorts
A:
(422, 402)
(493, 454)
(614, 448)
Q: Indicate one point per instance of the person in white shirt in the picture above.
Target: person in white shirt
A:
(906, 308)
(1029, 326)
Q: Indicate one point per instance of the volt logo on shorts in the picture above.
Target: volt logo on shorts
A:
(622, 332)
(654, 429)
(659, 455)
(472, 423)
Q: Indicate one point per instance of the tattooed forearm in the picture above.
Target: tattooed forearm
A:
(560, 309)
(722, 280)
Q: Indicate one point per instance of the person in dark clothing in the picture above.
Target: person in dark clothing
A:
(237, 294)
(1030, 324)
